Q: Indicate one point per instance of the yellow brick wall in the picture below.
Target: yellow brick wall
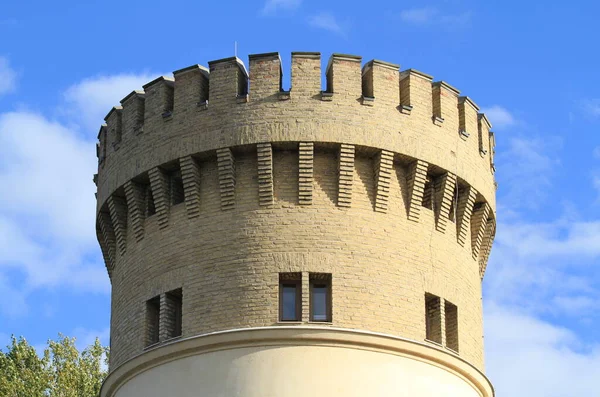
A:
(227, 261)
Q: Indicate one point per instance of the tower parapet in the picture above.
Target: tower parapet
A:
(379, 189)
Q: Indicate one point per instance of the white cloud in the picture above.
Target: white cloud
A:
(91, 99)
(48, 168)
(418, 15)
(546, 267)
(499, 117)
(525, 171)
(47, 219)
(430, 15)
(591, 107)
(596, 152)
(271, 7)
(47, 216)
(327, 21)
(8, 77)
(530, 357)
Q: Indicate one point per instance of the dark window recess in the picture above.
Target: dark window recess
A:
(433, 319)
(152, 320)
(320, 297)
(290, 296)
(453, 201)
(451, 312)
(176, 187)
(173, 313)
(428, 193)
(150, 207)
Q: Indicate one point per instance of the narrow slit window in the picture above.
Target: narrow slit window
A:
(173, 313)
(320, 297)
(428, 193)
(451, 312)
(152, 320)
(433, 319)
(290, 297)
(150, 207)
(176, 188)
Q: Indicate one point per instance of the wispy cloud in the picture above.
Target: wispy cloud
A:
(591, 107)
(596, 183)
(47, 224)
(47, 233)
(327, 21)
(8, 77)
(499, 116)
(525, 170)
(430, 15)
(419, 15)
(91, 99)
(552, 360)
(272, 7)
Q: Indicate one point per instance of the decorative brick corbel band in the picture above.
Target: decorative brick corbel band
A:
(383, 176)
(445, 189)
(160, 192)
(306, 154)
(107, 241)
(135, 206)
(264, 153)
(466, 200)
(190, 173)
(478, 227)
(226, 165)
(118, 215)
(346, 175)
(417, 176)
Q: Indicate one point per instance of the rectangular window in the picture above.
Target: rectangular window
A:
(290, 296)
(320, 297)
(451, 312)
(173, 311)
(152, 320)
(433, 319)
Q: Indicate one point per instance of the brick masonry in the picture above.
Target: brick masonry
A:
(301, 182)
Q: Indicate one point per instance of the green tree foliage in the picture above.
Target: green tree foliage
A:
(62, 371)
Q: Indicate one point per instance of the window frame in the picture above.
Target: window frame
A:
(176, 316)
(297, 282)
(451, 326)
(433, 324)
(318, 279)
(152, 306)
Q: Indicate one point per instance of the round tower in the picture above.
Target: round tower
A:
(263, 242)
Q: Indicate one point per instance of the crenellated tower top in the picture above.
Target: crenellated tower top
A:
(219, 192)
(414, 107)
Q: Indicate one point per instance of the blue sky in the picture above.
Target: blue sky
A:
(531, 66)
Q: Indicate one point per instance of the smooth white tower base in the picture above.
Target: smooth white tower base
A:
(296, 362)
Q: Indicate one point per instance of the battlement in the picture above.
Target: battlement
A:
(376, 88)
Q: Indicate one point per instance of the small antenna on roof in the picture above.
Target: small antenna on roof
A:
(235, 48)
